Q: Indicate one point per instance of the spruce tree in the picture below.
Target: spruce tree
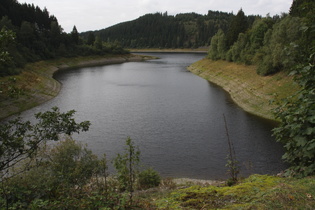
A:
(238, 25)
(75, 35)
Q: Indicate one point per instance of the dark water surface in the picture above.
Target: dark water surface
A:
(175, 117)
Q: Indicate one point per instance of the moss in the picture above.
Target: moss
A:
(251, 187)
(254, 192)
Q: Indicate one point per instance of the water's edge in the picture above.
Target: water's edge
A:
(53, 86)
(251, 92)
(46, 87)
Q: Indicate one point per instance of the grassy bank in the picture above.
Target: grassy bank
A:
(35, 85)
(250, 91)
(254, 192)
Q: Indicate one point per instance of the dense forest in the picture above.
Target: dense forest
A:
(36, 35)
(160, 30)
(273, 44)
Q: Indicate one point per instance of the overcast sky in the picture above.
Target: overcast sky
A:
(98, 14)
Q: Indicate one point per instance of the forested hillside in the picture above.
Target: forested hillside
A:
(284, 44)
(273, 44)
(160, 30)
(29, 33)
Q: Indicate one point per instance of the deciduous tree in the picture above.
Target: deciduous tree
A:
(21, 140)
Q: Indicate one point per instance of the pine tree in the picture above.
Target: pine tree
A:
(75, 35)
(238, 25)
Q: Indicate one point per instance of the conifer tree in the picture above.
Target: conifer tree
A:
(75, 35)
(238, 25)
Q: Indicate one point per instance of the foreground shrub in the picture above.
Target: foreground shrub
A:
(72, 164)
(149, 178)
(297, 128)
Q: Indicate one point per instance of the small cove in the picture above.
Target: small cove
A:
(175, 117)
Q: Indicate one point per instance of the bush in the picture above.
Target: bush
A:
(297, 128)
(149, 178)
(265, 67)
(55, 173)
(72, 163)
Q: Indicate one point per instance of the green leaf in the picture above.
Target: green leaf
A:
(310, 131)
(311, 146)
(300, 141)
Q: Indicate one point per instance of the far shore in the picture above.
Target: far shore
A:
(169, 50)
(38, 85)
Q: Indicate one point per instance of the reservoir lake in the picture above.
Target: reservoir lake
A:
(173, 116)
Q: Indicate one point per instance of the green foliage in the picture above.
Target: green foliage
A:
(238, 24)
(127, 166)
(241, 196)
(38, 37)
(164, 31)
(21, 140)
(98, 43)
(254, 192)
(72, 163)
(297, 128)
(217, 48)
(284, 45)
(236, 51)
(26, 172)
(90, 38)
(272, 43)
(302, 8)
(66, 174)
(63, 179)
(273, 47)
(149, 178)
(75, 35)
(7, 38)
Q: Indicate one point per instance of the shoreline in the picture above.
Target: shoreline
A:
(38, 85)
(157, 50)
(49, 87)
(250, 91)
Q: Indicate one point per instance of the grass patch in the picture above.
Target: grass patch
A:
(255, 192)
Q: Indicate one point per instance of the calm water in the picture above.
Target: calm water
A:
(175, 117)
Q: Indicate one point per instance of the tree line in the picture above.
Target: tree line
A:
(272, 43)
(160, 30)
(285, 43)
(37, 35)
